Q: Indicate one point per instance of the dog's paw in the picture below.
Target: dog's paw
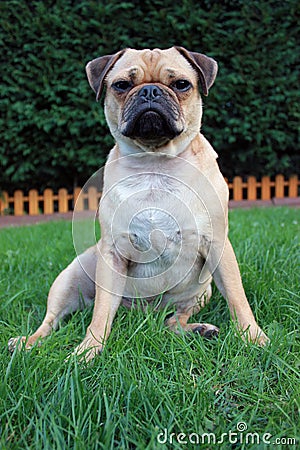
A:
(255, 335)
(87, 350)
(16, 343)
(261, 339)
(206, 330)
(24, 343)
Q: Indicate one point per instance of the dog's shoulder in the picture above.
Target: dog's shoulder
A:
(205, 159)
(206, 156)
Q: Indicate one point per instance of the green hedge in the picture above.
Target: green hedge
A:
(54, 134)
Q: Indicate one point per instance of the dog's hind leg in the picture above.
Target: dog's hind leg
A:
(73, 289)
(178, 321)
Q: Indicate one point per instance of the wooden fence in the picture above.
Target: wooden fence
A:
(48, 202)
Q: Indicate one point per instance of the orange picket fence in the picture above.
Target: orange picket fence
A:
(48, 202)
(266, 189)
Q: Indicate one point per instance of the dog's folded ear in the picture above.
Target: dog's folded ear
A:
(97, 70)
(206, 67)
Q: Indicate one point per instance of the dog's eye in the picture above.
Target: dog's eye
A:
(182, 85)
(122, 85)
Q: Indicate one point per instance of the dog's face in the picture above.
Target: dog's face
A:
(152, 96)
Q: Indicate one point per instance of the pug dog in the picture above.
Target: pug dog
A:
(164, 206)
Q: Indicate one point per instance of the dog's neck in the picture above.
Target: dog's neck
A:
(170, 149)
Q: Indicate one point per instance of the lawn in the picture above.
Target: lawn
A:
(151, 389)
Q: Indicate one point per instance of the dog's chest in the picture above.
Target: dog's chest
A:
(153, 216)
(154, 232)
(156, 221)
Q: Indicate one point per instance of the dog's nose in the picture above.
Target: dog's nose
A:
(150, 92)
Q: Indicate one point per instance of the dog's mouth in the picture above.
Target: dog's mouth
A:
(152, 126)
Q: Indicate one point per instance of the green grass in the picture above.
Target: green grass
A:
(147, 379)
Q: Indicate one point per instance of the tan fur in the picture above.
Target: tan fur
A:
(143, 175)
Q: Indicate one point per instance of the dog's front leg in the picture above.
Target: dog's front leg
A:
(224, 267)
(110, 280)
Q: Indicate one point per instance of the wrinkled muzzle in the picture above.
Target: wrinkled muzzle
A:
(151, 115)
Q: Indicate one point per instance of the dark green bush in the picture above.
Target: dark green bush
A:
(54, 134)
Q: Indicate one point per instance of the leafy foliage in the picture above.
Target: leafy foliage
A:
(54, 134)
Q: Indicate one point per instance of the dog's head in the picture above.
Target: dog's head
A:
(152, 96)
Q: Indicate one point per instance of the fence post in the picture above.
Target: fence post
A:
(293, 186)
(237, 186)
(3, 202)
(18, 203)
(265, 188)
(92, 198)
(251, 188)
(48, 201)
(33, 199)
(279, 186)
(63, 200)
(78, 199)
